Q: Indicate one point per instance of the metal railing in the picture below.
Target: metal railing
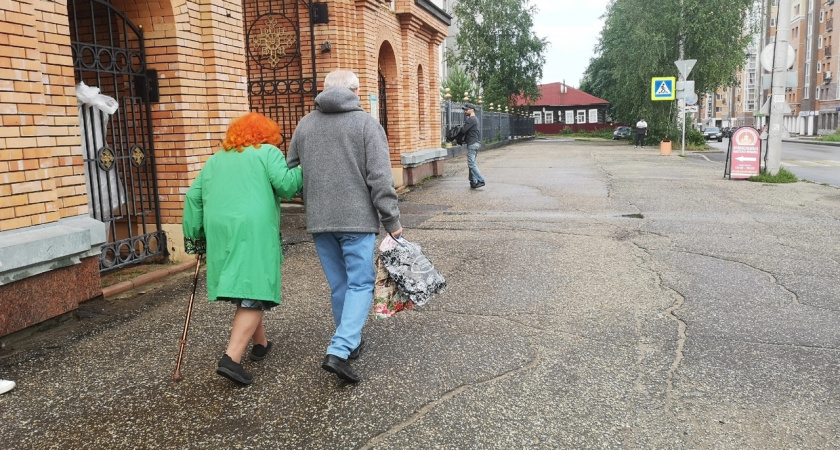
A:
(496, 126)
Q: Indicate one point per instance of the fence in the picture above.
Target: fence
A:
(495, 125)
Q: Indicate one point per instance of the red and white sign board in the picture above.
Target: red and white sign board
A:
(745, 157)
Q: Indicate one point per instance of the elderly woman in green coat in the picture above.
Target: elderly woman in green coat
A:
(232, 215)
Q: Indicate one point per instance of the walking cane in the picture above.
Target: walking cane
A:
(177, 375)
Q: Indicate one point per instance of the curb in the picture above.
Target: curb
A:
(144, 279)
(812, 142)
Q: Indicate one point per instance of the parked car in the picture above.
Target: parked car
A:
(622, 133)
(713, 133)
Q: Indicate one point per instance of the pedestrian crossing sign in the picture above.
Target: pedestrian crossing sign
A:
(662, 88)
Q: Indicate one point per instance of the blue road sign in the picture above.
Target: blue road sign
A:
(662, 88)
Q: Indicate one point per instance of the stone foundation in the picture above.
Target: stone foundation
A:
(414, 175)
(35, 299)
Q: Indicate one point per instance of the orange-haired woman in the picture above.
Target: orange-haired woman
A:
(232, 214)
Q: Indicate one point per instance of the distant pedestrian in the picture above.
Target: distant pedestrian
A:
(232, 213)
(6, 386)
(641, 132)
(471, 136)
(348, 190)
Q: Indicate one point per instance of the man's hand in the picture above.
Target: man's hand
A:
(397, 234)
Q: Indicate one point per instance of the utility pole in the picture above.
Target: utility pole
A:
(777, 93)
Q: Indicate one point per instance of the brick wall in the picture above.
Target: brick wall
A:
(41, 175)
(197, 51)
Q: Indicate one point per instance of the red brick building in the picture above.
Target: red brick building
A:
(564, 107)
(90, 183)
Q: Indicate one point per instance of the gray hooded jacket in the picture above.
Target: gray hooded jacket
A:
(347, 181)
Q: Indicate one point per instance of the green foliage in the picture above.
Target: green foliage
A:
(459, 83)
(784, 176)
(641, 40)
(498, 47)
(834, 137)
(694, 138)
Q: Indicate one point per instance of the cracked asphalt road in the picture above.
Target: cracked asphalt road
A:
(599, 296)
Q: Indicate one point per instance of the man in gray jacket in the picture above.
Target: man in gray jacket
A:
(348, 190)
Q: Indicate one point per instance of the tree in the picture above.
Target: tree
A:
(498, 48)
(641, 39)
(459, 83)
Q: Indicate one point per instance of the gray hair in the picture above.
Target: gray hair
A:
(342, 78)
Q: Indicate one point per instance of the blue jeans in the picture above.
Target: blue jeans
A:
(475, 175)
(347, 260)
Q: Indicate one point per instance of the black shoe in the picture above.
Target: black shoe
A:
(233, 371)
(340, 367)
(357, 351)
(479, 184)
(259, 352)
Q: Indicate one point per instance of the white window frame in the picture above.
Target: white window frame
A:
(581, 116)
(549, 117)
(593, 115)
(819, 42)
(806, 92)
(570, 116)
(537, 117)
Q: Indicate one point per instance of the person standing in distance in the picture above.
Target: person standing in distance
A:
(348, 190)
(641, 132)
(470, 132)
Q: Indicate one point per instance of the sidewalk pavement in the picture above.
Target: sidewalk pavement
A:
(599, 296)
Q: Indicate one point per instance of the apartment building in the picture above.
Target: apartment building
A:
(815, 99)
(739, 105)
(828, 87)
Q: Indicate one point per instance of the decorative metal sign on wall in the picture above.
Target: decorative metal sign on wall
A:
(282, 79)
(114, 91)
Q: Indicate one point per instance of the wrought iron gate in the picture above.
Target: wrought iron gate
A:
(282, 82)
(383, 102)
(109, 55)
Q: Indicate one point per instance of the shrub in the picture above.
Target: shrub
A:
(784, 176)
(834, 137)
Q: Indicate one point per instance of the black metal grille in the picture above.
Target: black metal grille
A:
(383, 102)
(282, 83)
(109, 54)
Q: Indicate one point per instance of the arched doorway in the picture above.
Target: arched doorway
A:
(109, 57)
(422, 111)
(388, 89)
(383, 101)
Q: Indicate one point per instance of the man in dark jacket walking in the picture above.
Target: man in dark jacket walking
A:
(348, 190)
(471, 135)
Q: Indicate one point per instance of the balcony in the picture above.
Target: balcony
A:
(829, 24)
(828, 52)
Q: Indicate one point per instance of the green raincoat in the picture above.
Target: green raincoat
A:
(232, 214)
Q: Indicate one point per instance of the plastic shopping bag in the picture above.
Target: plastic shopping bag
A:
(412, 272)
(387, 299)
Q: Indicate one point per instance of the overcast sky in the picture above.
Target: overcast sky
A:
(572, 28)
